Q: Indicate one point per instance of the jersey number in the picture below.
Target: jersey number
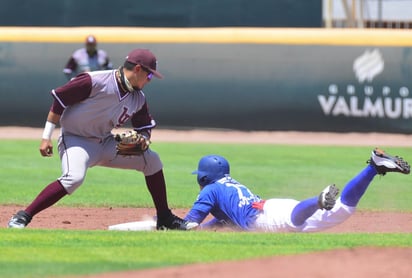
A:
(245, 195)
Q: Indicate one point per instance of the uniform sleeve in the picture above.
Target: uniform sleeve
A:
(108, 65)
(56, 107)
(71, 66)
(74, 91)
(142, 121)
(202, 207)
(195, 215)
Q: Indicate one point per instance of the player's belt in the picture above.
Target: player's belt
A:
(259, 205)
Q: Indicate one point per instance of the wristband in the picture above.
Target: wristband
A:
(48, 130)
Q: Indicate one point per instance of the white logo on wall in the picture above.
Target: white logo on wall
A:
(368, 101)
(368, 65)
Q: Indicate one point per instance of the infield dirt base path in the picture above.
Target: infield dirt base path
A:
(351, 263)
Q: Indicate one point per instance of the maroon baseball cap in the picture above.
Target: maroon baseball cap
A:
(91, 39)
(144, 58)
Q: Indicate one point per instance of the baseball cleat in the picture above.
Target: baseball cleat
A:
(384, 163)
(327, 197)
(175, 223)
(20, 220)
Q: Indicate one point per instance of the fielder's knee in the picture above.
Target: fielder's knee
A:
(71, 182)
(153, 164)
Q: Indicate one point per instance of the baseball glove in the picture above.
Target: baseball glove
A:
(131, 143)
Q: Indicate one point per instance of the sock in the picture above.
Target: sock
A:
(304, 210)
(156, 185)
(354, 189)
(48, 197)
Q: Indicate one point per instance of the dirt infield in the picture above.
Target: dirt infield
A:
(257, 137)
(357, 262)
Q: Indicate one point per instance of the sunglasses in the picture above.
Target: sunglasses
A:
(149, 73)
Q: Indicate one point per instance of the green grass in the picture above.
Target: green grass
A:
(269, 170)
(51, 253)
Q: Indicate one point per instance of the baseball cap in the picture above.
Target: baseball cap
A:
(91, 40)
(144, 58)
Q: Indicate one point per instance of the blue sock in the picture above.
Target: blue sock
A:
(351, 195)
(304, 210)
(354, 189)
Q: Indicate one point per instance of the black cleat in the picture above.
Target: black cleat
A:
(20, 220)
(173, 222)
(384, 163)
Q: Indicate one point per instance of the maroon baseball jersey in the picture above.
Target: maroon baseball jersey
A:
(93, 103)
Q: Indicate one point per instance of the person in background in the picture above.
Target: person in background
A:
(86, 59)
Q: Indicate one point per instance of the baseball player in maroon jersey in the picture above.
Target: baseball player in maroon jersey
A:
(88, 58)
(88, 107)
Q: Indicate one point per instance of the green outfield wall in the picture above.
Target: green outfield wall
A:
(162, 13)
(232, 78)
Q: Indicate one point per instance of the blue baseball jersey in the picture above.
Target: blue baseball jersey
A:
(227, 200)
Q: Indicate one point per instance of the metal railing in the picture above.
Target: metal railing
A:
(365, 14)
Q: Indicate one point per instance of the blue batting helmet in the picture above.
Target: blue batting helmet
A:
(211, 168)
